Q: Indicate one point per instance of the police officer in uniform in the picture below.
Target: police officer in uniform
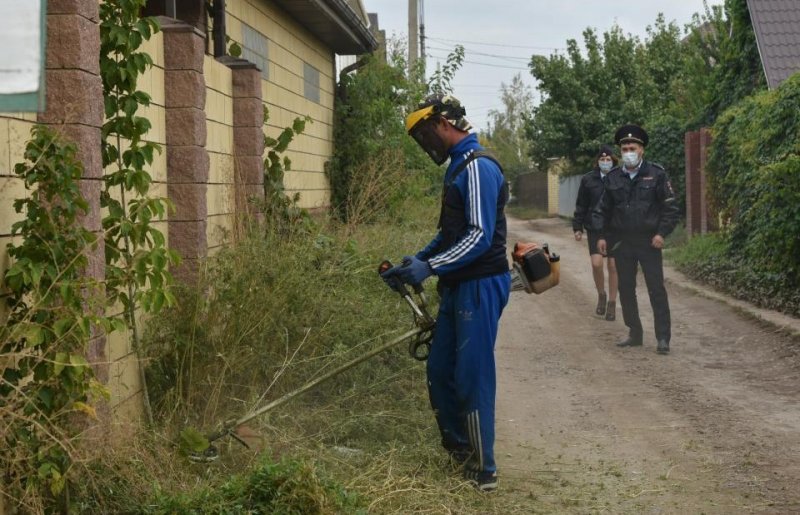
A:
(639, 208)
(468, 255)
(589, 194)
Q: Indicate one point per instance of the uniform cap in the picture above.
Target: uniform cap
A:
(631, 133)
(606, 151)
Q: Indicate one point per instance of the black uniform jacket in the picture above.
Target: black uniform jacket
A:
(638, 208)
(589, 193)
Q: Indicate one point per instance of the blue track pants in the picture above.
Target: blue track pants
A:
(461, 369)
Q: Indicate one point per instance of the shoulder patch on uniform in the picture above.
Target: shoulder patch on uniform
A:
(658, 166)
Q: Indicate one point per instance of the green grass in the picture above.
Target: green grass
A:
(708, 259)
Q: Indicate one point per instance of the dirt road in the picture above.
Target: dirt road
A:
(586, 427)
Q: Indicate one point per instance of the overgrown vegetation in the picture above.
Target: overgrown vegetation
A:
(375, 165)
(272, 312)
(754, 171)
(57, 302)
(47, 383)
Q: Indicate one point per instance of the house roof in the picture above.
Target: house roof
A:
(334, 22)
(777, 27)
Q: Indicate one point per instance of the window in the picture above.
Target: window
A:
(255, 49)
(311, 82)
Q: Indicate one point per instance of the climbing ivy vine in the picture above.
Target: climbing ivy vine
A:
(53, 304)
(137, 258)
(280, 210)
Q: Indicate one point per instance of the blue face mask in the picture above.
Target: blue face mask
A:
(631, 159)
(606, 166)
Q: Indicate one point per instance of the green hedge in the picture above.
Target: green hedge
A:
(755, 179)
(754, 175)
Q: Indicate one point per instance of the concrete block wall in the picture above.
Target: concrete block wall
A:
(221, 195)
(290, 46)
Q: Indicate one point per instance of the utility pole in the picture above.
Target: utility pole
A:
(413, 34)
(422, 55)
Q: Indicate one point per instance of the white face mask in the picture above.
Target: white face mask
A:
(631, 159)
(605, 166)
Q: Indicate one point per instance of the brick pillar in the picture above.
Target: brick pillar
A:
(248, 132)
(708, 222)
(74, 106)
(692, 146)
(187, 159)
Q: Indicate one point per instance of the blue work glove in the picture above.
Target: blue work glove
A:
(391, 279)
(414, 270)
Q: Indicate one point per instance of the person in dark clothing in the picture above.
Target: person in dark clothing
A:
(589, 194)
(639, 208)
(468, 255)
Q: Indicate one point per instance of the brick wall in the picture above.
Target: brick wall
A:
(699, 218)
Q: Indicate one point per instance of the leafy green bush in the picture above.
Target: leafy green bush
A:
(369, 131)
(755, 180)
(667, 149)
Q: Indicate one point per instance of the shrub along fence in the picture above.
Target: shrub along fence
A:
(754, 174)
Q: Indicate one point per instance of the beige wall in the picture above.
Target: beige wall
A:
(290, 45)
(124, 382)
(14, 133)
(552, 191)
(219, 144)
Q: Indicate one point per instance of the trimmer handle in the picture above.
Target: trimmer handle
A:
(396, 283)
(418, 288)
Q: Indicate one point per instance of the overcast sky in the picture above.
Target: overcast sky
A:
(510, 31)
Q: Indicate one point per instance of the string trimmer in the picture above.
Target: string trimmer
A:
(419, 341)
(533, 272)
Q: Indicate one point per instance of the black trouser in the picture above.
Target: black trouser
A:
(629, 254)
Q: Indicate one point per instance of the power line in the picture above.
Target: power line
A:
(468, 52)
(484, 64)
(493, 44)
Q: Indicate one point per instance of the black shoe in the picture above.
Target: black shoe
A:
(601, 304)
(483, 481)
(662, 347)
(459, 456)
(630, 341)
(611, 311)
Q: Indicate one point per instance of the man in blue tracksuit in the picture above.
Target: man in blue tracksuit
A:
(468, 255)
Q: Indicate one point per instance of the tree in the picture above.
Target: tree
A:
(666, 83)
(506, 133)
